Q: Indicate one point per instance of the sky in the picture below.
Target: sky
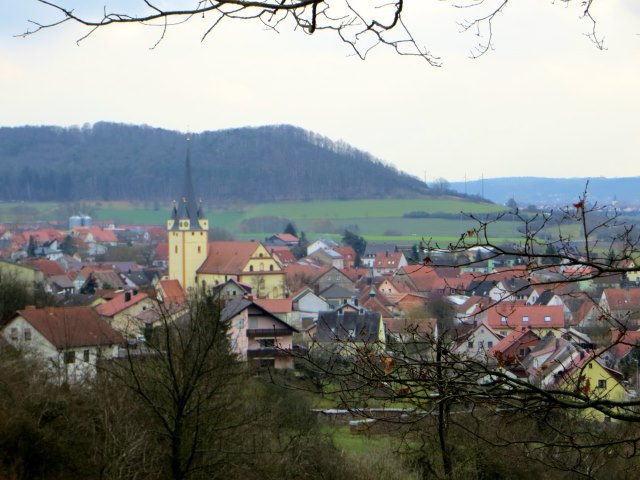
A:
(543, 102)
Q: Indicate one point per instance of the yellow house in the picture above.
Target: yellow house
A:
(592, 379)
(246, 262)
(21, 273)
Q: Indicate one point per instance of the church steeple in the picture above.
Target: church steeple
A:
(187, 213)
(188, 233)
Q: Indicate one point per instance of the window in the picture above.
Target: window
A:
(199, 249)
(547, 318)
(176, 249)
(470, 344)
(489, 344)
(70, 357)
(525, 318)
(14, 333)
(267, 362)
(503, 319)
(602, 383)
(267, 343)
(85, 355)
(27, 334)
(251, 268)
(271, 268)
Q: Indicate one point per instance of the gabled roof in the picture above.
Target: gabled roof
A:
(228, 257)
(286, 237)
(336, 291)
(238, 305)
(349, 325)
(622, 299)
(513, 315)
(275, 305)
(389, 260)
(71, 327)
(172, 291)
(120, 302)
(516, 339)
(47, 267)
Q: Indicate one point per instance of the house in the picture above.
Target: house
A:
(347, 330)
(70, 340)
(506, 316)
(231, 289)
(249, 263)
(29, 276)
(595, 381)
(373, 249)
(623, 305)
(122, 310)
(321, 244)
(388, 263)
(257, 336)
(327, 257)
(477, 343)
(337, 295)
(515, 346)
(306, 306)
(282, 240)
(170, 292)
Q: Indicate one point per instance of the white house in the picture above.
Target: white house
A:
(69, 339)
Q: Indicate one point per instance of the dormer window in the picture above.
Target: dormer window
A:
(503, 320)
(525, 318)
(547, 318)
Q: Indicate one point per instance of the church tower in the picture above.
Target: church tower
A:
(188, 234)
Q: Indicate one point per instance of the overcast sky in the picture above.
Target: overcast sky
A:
(544, 102)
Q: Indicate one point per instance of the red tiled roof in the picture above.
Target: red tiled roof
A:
(283, 254)
(274, 305)
(518, 315)
(71, 327)
(622, 299)
(173, 292)
(228, 257)
(48, 267)
(118, 303)
(162, 251)
(287, 237)
(43, 235)
(388, 260)
(518, 338)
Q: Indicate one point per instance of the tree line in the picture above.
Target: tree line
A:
(109, 161)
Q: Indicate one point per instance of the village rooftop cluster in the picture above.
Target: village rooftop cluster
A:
(545, 327)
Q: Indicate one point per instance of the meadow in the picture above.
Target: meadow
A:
(376, 220)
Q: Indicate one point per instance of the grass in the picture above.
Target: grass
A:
(377, 220)
(353, 443)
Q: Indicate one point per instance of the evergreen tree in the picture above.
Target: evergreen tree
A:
(291, 229)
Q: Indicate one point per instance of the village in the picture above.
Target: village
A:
(554, 326)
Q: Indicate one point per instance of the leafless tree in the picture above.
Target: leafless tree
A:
(361, 24)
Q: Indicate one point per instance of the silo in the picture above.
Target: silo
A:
(75, 221)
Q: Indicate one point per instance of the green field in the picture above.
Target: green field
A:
(375, 219)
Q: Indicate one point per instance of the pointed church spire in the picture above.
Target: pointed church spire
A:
(187, 207)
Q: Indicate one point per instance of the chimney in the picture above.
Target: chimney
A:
(127, 296)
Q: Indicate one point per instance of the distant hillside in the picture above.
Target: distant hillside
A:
(110, 161)
(554, 191)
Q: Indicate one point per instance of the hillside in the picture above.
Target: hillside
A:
(554, 191)
(110, 161)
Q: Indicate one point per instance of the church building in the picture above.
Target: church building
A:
(194, 261)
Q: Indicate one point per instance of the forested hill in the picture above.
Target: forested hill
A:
(110, 161)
